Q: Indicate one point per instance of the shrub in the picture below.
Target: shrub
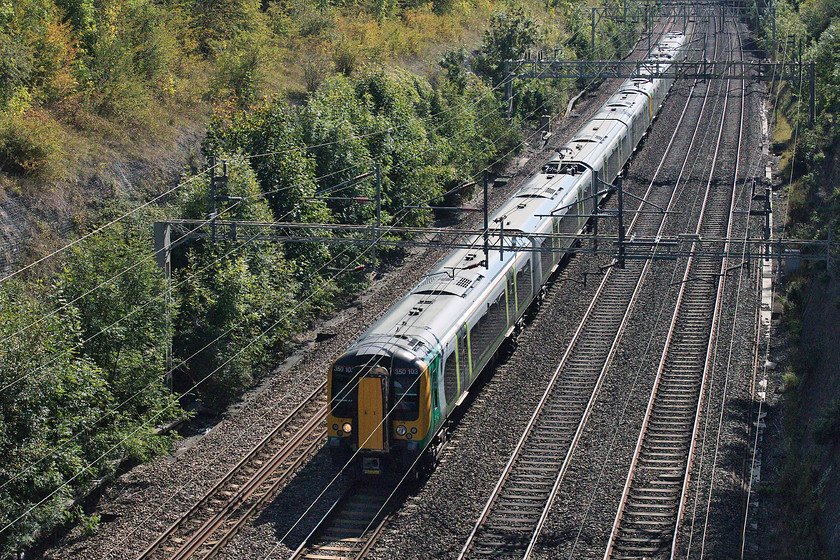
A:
(345, 58)
(827, 428)
(239, 70)
(315, 70)
(790, 382)
(510, 34)
(31, 141)
(52, 405)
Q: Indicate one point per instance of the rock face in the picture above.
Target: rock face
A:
(37, 218)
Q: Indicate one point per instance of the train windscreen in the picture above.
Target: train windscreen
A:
(343, 383)
(405, 400)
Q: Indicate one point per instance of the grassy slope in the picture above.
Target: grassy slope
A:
(96, 158)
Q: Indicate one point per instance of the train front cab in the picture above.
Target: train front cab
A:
(379, 412)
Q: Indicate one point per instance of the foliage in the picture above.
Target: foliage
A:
(511, 33)
(119, 297)
(827, 429)
(284, 170)
(55, 430)
(92, 375)
(826, 53)
(31, 142)
(236, 311)
(237, 305)
(790, 381)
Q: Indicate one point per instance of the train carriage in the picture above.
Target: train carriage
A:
(393, 389)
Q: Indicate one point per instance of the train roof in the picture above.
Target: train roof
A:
(428, 315)
(424, 318)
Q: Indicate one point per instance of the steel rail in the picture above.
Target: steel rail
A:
(232, 516)
(350, 527)
(658, 381)
(573, 345)
(644, 273)
(710, 362)
(232, 486)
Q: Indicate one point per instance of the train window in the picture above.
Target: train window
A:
(405, 397)
(510, 297)
(450, 379)
(502, 301)
(343, 384)
(479, 340)
(524, 285)
(463, 358)
(487, 331)
(546, 257)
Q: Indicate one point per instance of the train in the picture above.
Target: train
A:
(393, 390)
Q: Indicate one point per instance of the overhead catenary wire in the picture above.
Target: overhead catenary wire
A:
(199, 382)
(135, 431)
(406, 211)
(620, 419)
(163, 195)
(223, 334)
(484, 94)
(154, 417)
(119, 274)
(103, 227)
(312, 504)
(751, 173)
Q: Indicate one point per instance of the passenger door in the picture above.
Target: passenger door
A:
(372, 396)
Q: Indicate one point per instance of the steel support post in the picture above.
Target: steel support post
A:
(377, 221)
(621, 231)
(212, 201)
(163, 258)
(486, 225)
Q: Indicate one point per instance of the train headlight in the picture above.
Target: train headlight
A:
(400, 430)
(335, 427)
(347, 427)
(413, 430)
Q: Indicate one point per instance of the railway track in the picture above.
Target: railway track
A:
(649, 514)
(514, 514)
(350, 527)
(221, 512)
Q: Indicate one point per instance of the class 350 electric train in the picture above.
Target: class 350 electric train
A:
(392, 391)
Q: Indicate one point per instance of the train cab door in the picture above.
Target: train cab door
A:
(434, 382)
(372, 394)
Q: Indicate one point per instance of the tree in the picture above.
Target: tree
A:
(509, 36)
(116, 290)
(237, 299)
(54, 416)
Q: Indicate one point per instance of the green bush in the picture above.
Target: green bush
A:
(55, 408)
(119, 295)
(510, 34)
(31, 141)
(827, 428)
(790, 382)
(237, 304)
